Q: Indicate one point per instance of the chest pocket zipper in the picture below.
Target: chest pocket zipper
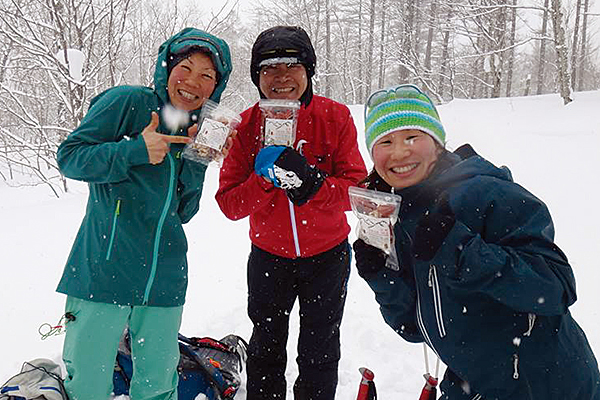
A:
(113, 229)
(437, 300)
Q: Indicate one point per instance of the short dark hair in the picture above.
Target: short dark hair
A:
(175, 58)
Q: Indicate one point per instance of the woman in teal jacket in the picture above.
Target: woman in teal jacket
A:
(128, 263)
(481, 281)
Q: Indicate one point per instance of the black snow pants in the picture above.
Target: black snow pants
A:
(274, 283)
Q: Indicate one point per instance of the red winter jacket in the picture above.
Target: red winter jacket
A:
(276, 225)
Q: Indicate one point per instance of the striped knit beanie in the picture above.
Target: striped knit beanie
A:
(400, 108)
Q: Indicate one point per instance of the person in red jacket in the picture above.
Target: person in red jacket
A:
(296, 198)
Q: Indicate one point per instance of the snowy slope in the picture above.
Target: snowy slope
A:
(553, 150)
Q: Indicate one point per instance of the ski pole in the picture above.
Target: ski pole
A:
(366, 390)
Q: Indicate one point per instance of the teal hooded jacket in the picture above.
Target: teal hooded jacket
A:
(131, 246)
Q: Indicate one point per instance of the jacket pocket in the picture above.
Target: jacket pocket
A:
(113, 229)
(437, 300)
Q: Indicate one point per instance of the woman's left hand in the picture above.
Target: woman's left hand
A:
(228, 143)
(369, 259)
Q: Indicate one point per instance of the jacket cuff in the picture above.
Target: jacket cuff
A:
(263, 183)
(138, 153)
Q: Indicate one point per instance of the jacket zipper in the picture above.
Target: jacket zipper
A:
(113, 229)
(437, 300)
(294, 228)
(420, 322)
(161, 222)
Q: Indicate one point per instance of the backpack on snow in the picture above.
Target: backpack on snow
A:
(39, 379)
(206, 365)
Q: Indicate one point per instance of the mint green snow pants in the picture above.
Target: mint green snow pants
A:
(92, 340)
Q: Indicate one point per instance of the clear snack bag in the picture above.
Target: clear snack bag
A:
(377, 213)
(279, 121)
(218, 122)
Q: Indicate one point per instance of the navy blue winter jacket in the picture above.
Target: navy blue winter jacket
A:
(493, 301)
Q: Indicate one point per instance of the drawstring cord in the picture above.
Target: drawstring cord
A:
(430, 389)
(515, 366)
(46, 330)
(299, 145)
(531, 321)
(425, 356)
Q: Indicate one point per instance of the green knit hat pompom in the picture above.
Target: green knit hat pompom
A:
(400, 108)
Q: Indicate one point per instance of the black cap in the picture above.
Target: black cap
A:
(284, 42)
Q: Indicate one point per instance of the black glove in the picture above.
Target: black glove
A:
(289, 170)
(311, 183)
(432, 229)
(369, 259)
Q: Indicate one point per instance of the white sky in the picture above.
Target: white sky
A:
(215, 5)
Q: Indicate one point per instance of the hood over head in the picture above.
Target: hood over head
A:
(184, 43)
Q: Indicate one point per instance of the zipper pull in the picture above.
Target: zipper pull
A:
(531, 319)
(515, 366)
(430, 279)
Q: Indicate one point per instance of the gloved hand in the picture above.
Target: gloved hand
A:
(289, 170)
(432, 229)
(369, 259)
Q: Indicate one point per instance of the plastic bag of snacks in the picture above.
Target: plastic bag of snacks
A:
(218, 122)
(279, 121)
(377, 213)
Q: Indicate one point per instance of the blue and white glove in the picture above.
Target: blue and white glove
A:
(289, 170)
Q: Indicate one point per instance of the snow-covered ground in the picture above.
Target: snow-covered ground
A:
(553, 150)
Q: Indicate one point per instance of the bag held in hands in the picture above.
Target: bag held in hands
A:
(377, 213)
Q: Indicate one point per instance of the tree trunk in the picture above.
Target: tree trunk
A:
(562, 63)
(361, 77)
(445, 52)
(511, 55)
(371, 40)
(574, 55)
(542, 59)
(327, 49)
(583, 51)
(429, 44)
(382, 58)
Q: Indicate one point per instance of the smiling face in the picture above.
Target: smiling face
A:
(191, 82)
(283, 81)
(405, 158)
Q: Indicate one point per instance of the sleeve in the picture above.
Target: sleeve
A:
(396, 295)
(349, 168)
(242, 192)
(191, 181)
(510, 255)
(103, 148)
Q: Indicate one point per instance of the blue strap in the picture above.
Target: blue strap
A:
(50, 388)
